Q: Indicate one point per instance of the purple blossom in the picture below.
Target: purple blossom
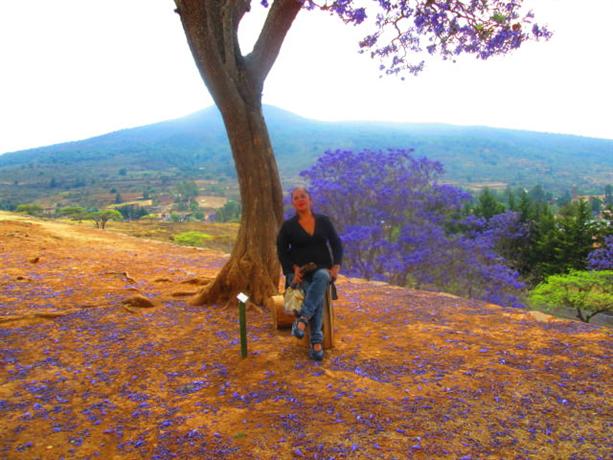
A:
(602, 258)
(398, 224)
(482, 28)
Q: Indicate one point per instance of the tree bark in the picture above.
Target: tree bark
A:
(235, 83)
(253, 267)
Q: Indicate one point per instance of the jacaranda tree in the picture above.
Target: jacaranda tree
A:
(400, 225)
(398, 32)
(602, 257)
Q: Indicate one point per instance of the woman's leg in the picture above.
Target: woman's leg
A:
(312, 307)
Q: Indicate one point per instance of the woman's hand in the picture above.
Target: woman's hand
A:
(334, 272)
(297, 275)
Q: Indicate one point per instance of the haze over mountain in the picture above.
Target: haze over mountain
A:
(195, 146)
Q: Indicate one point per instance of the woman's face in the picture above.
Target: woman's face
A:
(301, 200)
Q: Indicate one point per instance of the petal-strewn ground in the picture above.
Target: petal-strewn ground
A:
(414, 374)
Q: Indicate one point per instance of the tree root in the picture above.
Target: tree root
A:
(128, 278)
(198, 281)
(183, 293)
(41, 314)
(139, 301)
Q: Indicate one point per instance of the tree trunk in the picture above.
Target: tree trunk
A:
(253, 267)
(236, 83)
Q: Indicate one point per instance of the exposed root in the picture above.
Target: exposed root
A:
(52, 314)
(131, 310)
(198, 281)
(183, 293)
(252, 306)
(40, 314)
(128, 278)
(139, 301)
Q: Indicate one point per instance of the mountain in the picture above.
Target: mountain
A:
(196, 146)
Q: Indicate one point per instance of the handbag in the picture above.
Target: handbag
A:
(292, 300)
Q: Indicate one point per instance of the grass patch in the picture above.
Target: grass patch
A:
(222, 235)
(192, 238)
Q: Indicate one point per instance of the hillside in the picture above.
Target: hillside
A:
(196, 147)
(414, 374)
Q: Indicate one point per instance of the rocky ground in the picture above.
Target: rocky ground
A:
(102, 357)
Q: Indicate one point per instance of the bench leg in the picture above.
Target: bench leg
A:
(328, 325)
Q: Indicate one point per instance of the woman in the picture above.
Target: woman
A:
(309, 238)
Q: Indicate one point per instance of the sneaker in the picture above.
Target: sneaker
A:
(316, 355)
(296, 331)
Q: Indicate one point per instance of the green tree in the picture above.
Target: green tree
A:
(565, 199)
(132, 211)
(185, 194)
(488, 205)
(587, 292)
(575, 234)
(236, 83)
(538, 195)
(230, 212)
(608, 195)
(511, 199)
(534, 259)
(31, 209)
(596, 204)
(103, 216)
(71, 212)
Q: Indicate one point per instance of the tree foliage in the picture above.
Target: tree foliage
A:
(186, 194)
(103, 216)
(401, 31)
(587, 292)
(551, 241)
(132, 211)
(602, 258)
(229, 212)
(236, 81)
(71, 212)
(30, 208)
(400, 225)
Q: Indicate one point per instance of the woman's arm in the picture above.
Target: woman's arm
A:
(335, 244)
(283, 245)
(337, 248)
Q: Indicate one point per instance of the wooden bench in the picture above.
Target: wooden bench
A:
(282, 320)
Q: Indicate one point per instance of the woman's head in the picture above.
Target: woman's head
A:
(301, 199)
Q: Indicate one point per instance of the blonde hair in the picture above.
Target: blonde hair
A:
(304, 189)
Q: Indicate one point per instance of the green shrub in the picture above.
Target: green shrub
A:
(192, 238)
(587, 292)
(31, 209)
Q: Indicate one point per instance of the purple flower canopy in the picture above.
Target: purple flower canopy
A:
(602, 258)
(401, 30)
(398, 224)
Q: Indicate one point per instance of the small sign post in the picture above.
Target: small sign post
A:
(242, 318)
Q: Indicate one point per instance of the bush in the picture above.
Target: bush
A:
(587, 292)
(192, 238)
(31, 209)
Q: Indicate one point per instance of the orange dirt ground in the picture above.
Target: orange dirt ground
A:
(86, 372)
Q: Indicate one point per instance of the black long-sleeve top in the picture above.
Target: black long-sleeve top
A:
(296, 247)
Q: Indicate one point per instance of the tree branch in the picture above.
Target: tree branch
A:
(280, 17)
(589, 317)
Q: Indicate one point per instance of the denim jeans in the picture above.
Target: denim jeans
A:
(313, 304)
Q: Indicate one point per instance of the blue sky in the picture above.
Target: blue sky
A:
(72, 69)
